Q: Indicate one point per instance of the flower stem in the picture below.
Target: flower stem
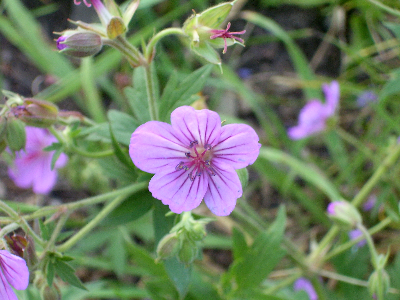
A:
(153, 41)
(356, 143)
(97, 154)
(48, 210)
(21, 221)
(357, 200)
(151, 97)
(351, 243)
(89, 226)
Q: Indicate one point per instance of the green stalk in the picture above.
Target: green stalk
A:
(357, 200)
(154, 40)
(93, 223)
(151, 97)
(21, 221)
(48, 210)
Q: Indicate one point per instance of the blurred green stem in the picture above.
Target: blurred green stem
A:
(93, 223)
(355, 142)
(385, 8)
(94, 104)
(316, 256)
(48, 210)
(21, 221)
(151, 97)
(154, 40)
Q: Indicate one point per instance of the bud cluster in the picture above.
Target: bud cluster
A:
(183, 239)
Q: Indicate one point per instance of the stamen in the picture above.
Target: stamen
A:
(181, 166)
(193, 143)
(207, 147)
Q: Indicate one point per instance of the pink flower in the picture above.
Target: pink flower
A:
(314, 115)
(225, 34)
(13, 272)
(305, 285)
(32, 166)
(194, 158)
(103, 13)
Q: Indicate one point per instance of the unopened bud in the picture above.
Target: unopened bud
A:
(17, 244)
(197, 232)
(379, 283)
(168, 246)
(188, 252)
(37, 113)
(79, 44)
(344, 214)
(15, 134)
(50, 292)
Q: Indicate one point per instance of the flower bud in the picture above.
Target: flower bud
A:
(79, 43)
(17, 244)
(15, 134)
(188, 252)
(50, 292)
(344, 214)
(197, 232)
(37, 113)
(168, 246)
(379, 283)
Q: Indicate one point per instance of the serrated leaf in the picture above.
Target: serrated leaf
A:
(44, 231)
(240, 246)
(122, 156)
(50, 272)
(262, 256)
(123, 125)
(188, 87)
(67, 274)
(131, 209)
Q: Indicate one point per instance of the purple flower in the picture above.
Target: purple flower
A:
(13, 272)
(366, 98)
(194, 158)
(32, 166)
(225, 34)
(103, 13)
(356, 233)
(370, 203)
(314, 115)
(303, 284)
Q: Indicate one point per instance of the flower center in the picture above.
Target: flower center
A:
(198, 159)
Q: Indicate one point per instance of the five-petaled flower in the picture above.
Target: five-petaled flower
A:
(225, 34)
(314, 115)
(32, 166)
(13, 272)
(194, 158)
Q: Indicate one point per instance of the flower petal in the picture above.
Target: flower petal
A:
(174, 188)
(223, 189)
(6, 292)
(238, 146)
(312, 119)
(189, 125)
(44, 183)
(332, 96)
(155, 145)
(14, 269)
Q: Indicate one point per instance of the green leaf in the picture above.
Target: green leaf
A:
(239, 244)
(131, 209)
(44, 230)
(116, 170)
(119, 152)
(50, 272)
(67, 273)
(117, 253)
(123, 125)
(262, 256)
(305, 171)
(175, 95)
(179, 274)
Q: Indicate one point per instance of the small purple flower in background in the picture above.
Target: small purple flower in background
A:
(13, 272)
(225, 34)
(303, 284)
(366, 98)
(32, 166)
(370, 203)
(194, 158)
(356, 233)
(314, 115)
